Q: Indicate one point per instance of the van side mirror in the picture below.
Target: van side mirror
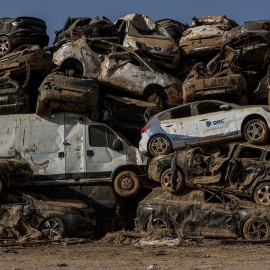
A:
(225, 107)
(117, 145)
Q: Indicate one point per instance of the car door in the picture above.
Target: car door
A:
(213, 122)
(101, 158)
(74, 147)
(217, 219)
(178, 125)
(245, 166)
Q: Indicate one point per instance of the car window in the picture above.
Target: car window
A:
(189, 195)
(182, 112)
(208, 107)
(101, 136)
(250, 153)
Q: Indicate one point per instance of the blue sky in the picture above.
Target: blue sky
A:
(56, 12)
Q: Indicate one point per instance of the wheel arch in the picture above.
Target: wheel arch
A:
(251, 117)
(153, 88)
(74, 63)
(128, 167)
(41, 221)
(155, 134)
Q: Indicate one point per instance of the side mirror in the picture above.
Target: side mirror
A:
(117, 145)
(225, 107)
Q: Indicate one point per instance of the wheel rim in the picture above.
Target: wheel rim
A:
(126, 183)
(159, 223)
(51, 228)
(255, 131)
(159, 145)
(172, 185)
(263, 194)
(4, 45)
(257, 230)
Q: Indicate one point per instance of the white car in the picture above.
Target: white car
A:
(207, 121)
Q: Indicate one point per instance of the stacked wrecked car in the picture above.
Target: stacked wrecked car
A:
(172, 90)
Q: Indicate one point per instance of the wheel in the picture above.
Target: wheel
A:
(127, 184)
(5, 45)
(262, 194)
(256, 229)
(53, 227)
(157, 223)
(1, 186)
(160, 145)
(176, 185)
(243, 100)
(256, 131)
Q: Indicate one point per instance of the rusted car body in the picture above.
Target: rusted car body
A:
(204, 36)
(262, 93)
(21, 30)
(237, 168)
(53, 218)
(13, 97)
(14, 173)
(26, 57)
(76, 27)
(126, 112)
(139, 32)
(227, 86)
(248, 34)
(65, 93)
(173, 28)
(203, 214)
(119, 67)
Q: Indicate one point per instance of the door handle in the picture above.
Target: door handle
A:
(90, 153)
(61, 154)
(204, 119)
(169, 125)
(66, 143)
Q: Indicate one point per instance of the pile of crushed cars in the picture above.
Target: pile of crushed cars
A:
(90, 125)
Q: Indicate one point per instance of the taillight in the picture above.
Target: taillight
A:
(168, 26)
(114, 31)
(73, 33)
(184, 34)
(224, 28)
(19, 24)
(144, 129)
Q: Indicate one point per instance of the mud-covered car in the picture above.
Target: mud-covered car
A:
(237, 168)
(204, 122)
(203, 213)
(262, 93)
(248, 34)
(118, 67)
(230, 85)
(14, 173)
(139, 32)
(76, 27)
(13, 97)
(60, 92)
(126, 112)
(16, 31)
(173, 28)
(26, 58)
(53, 218)
(204, 36)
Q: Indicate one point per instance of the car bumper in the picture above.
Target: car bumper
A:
(143, 143)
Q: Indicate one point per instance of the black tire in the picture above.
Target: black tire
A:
(159, 145)
(256, 131)
(53, 227)
(1, 185)
(261, 194)
(158, 223)
(256, 229)
(127, 184)
(243, 100)
(178, 181)
(6, 45)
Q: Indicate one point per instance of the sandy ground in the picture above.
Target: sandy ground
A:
(107, 254)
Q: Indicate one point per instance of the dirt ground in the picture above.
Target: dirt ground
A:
(129, 253)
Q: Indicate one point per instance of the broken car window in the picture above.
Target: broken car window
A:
(208, 107)
(250, 153)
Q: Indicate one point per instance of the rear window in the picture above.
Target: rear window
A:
(250, 153)
(209, 107)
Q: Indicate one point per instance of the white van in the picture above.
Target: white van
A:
(68, 148)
